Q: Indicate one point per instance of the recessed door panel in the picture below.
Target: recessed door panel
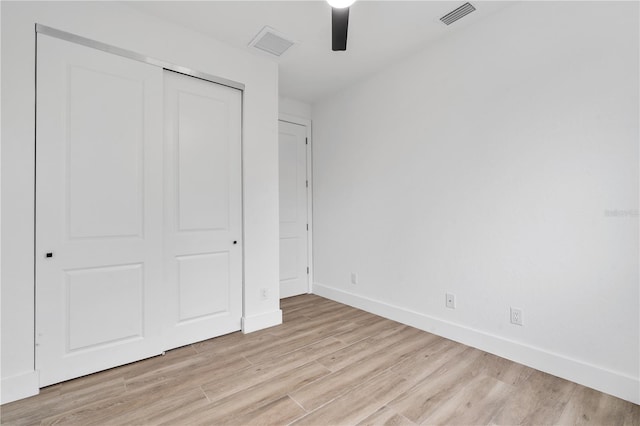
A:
(105, 138)
(293, 209)
(92, 295)
(98, 253)
(203, 209)
(204, 285)
(289, 258)
(202, 156)
(289, 177)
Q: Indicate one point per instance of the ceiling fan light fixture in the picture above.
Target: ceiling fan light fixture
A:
(340, 4)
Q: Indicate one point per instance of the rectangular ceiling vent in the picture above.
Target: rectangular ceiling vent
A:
(271, 41)
(458, 13)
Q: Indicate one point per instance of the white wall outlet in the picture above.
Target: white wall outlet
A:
(516, 316)
(354, 278)
(264, 293)
(450, 301)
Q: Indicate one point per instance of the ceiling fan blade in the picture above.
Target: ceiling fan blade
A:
(339, 26)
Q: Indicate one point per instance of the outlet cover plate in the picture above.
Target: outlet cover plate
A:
(516, 316)
(450, 301)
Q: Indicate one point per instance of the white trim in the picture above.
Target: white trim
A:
(307, 124)
(296, 120)
(310, 206)
(607, 381)
(20, 386)
(260, 321)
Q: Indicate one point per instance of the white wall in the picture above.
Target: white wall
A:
(295, 108)
(489, 166)
(121, 26)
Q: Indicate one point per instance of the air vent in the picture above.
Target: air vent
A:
(270, 41)
(460, 12)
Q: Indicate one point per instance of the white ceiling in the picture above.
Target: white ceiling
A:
(380, 33)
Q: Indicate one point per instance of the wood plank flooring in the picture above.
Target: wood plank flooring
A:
(328, 364)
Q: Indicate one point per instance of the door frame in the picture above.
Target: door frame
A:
(293, 119)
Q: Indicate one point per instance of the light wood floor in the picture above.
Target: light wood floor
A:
(327, 364)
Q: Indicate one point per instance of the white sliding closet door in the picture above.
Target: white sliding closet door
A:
(138, 210)
(99, 233)
(203, 209)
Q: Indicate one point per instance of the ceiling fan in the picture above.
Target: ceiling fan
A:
(339, 23)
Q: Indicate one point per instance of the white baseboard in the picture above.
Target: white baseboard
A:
(20, 386)
(258, 322)
(604, 380)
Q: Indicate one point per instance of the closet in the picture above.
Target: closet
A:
(138, 209)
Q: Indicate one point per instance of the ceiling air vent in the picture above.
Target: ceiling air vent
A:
(270, 41)
(458, 13)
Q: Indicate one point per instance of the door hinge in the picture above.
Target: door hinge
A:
(307, 226)
(307, 269)
(306, 141)
(307, 184)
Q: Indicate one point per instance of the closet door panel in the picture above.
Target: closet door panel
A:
(99, 278)
(203, 209)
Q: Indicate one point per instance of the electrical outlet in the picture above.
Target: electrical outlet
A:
(354, 278)
(264, 293)
(516, 316)
(450, 301)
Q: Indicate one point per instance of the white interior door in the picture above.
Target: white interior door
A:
(203, 209)
(293, 210)
(98, 194)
